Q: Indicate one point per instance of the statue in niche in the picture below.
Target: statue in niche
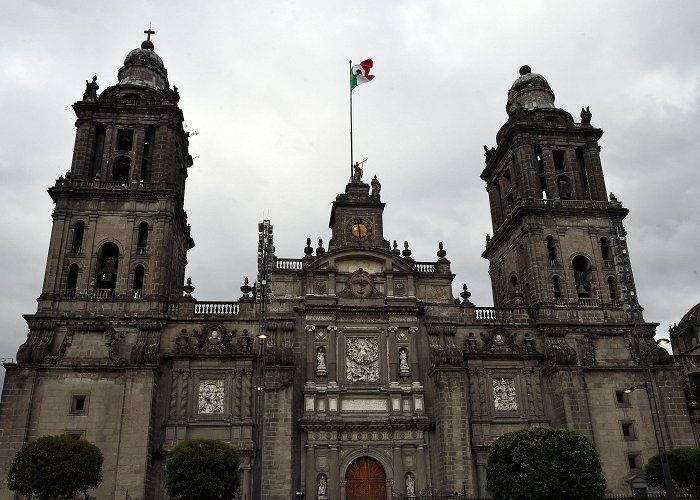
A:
(564, 189)
(410, 485)
(376, 185)
(91, 89)
(322, 486)
(320, 359)
(403, 359)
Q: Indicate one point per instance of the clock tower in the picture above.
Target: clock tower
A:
(356, 216)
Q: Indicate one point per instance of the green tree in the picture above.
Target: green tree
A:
(53, 467)
(685, 469)
(202, 469)
(541, 462)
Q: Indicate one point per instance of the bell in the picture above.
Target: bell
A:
(107, 277)
(581, 290)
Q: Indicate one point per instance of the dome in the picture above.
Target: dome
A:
(685, 336)
(529, 91)
(143, 67)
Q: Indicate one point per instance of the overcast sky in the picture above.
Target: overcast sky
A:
(265, 85)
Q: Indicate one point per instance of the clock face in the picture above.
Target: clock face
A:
(359, 230)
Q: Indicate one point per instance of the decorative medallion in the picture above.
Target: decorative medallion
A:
(399, 289)
(211, 396)
(360, 285)
(504, 394)
(320, 287)
(362, 359)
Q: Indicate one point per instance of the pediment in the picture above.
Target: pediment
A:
(371, 261)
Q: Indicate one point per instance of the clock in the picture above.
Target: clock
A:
(359, 230)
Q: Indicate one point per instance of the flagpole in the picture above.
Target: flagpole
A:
(351, 152)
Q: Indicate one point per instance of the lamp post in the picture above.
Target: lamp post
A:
(263, 296)
(655, 417)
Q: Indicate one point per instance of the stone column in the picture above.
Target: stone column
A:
(594, 169)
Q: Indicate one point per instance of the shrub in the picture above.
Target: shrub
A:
(54, 467)
(541, 462)
(685, 469)
(202, 469)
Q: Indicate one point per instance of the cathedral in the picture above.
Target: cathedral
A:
(351, 372)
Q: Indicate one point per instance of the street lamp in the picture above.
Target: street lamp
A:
(655, 417)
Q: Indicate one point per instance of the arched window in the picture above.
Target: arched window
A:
(137, 289)
(78, 233)
(564, 186)
(556, 285)
(121, 169)
(147, 158)
(107, 266)
(509, 204)
(513, 281)
(613, 289)
(72, 280)
(142, 240)
(582, 274)
(605, 252)
(552, 251)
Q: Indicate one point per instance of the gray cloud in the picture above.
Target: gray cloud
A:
(265, 85)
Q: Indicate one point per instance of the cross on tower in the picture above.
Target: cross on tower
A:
(149, 32)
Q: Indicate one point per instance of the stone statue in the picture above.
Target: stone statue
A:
(322, 486)
(410, 484)
(357, 172)
(586, 116)
(320, 359)
(91, 89)
(403, 359)
(488, 153)
(376, 185)
(564, 190)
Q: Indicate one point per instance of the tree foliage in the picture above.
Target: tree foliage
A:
(685, 469)
(541, 462)
(53, 467)
(202, 469)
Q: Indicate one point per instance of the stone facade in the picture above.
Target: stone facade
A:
(374, 372)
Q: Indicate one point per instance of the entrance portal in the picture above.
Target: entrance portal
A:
(365, 480)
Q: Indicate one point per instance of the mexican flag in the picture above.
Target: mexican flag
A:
(359, 73)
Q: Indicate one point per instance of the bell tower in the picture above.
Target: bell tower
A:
(120, 235)
(555, 232)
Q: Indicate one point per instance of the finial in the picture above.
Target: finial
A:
(308, 250)
(147, 43)
(488, 238)
(406, 251)
(396, 248)
(246, 289)
(441, 252)
(320, 250)
(188, 288)
(524, 70)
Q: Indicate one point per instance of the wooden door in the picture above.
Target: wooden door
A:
(365, 480)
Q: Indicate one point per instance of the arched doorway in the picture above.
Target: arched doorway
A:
(365, 479)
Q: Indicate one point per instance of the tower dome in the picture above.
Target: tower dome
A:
(143, 67)
(685, 336)
(529, 91)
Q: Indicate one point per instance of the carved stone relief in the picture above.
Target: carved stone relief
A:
(360, 285)
(211, 396)
(362, 359)
(504, 398)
